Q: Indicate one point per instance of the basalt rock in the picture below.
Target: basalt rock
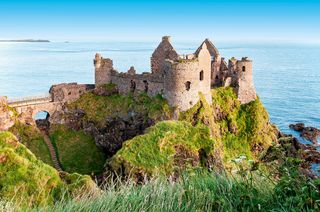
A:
(117, 130)
(291, 147)
(43, 124)
(309, 133)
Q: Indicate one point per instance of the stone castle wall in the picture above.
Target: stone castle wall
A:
(68, 92)
(146, 82)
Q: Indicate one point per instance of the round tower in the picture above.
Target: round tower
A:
(185, 78)
(244, 86)
(103, 69)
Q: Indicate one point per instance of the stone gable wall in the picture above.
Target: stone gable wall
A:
(164, 51)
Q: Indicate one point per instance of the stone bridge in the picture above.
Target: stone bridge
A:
(28, 107)
(52, 102)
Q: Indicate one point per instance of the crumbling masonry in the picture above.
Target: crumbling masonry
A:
(180, 78)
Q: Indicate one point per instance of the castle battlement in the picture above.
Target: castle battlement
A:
(180, 78)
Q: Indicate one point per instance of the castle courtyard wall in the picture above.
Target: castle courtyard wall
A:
(146, 82)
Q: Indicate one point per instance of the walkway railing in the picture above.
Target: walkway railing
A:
(13, 102)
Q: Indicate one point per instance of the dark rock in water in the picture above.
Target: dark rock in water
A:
(297, 127)
(309, 133)
(291, 147)
(117, 130)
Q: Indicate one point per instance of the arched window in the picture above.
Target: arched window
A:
(243, 68)
(201, 75)
(188, 85)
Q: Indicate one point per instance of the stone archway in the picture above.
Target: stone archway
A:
(28, 113)
(43, 114)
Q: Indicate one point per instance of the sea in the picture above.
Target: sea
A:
(286, 76)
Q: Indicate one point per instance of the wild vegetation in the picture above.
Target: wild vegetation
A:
(32, 138)
(97, 108)
(167, 147)
(206, 134)
(27, 181)
(77, 151)
(220, 156)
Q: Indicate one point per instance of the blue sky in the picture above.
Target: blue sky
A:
(187, 20)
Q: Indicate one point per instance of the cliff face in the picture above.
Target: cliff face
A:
(113, 118)
(6, 115)
(207, 135)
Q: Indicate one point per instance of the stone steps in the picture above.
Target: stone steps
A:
(52, 151)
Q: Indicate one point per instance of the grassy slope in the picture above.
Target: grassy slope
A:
(31, 137)
(235, 130)
(29, 181)
(252, 132)
(76, 150)
(154, 152)
(97, 108)
(201, 192)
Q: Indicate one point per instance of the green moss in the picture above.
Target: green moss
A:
(245, 129)
(27, 181)
(237, 129)
(98, 108)
(32, 138)
(155, 152)
(201, 113)
(109, 86)
(233, 130)
(77, 151)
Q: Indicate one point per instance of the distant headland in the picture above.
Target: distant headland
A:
(27, 40)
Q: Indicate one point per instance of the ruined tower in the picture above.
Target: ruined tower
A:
(186, 77)
(244, 81)
(103, 68)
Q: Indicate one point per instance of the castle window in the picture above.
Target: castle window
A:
(201, 75)
(146, 85)
(69, 93)
(243, 68)
(188, 85)
(132, 86)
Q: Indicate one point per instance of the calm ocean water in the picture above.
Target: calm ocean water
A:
(287, 77)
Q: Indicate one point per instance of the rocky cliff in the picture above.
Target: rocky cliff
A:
(6, 115)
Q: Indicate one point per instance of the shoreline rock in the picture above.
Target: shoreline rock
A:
(309, 133)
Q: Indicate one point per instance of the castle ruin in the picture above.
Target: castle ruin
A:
(180, 78)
